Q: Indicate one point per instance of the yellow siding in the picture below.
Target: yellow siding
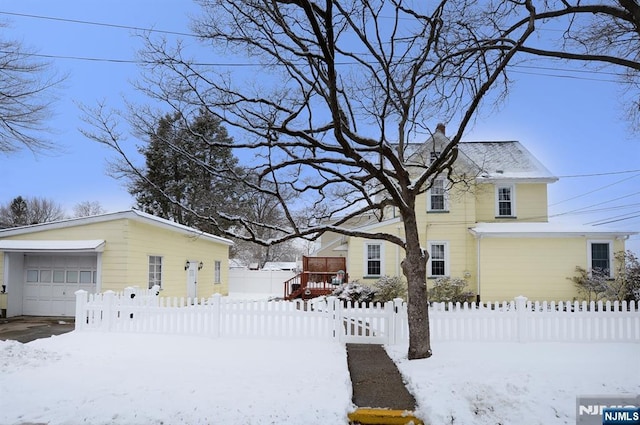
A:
(530, 202)
(115, 264)
(175, 249)
(537, 268)
(392, 255)
(129, 243)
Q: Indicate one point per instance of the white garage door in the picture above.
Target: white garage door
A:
(50, 283)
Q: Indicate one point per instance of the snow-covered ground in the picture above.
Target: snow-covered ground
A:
(94, 378)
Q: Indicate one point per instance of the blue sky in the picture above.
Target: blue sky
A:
(572, 121)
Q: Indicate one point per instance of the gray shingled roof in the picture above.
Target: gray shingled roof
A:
(502, 160)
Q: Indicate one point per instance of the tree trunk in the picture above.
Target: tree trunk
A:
(414, 268)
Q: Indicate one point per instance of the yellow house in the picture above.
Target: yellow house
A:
(42, 265)
(494, 231)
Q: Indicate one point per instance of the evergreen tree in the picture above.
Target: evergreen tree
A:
(187, 178)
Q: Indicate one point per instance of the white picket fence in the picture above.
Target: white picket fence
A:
(330, 318)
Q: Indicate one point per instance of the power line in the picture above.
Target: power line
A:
(619, 219)
(595, 190)
(128, 27)
(610, 173)
(102, 24)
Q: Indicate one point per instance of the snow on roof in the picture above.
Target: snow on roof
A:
(550, 229)
(494, 160)
(129, 214)
(96, 245)
(504, 160)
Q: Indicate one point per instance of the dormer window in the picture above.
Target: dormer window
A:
(434, 156)
(505, 201)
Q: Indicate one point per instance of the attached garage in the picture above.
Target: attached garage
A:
(51, 272)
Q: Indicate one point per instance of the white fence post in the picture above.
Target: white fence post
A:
(81, 307)
(108, 310)
(522, 318)
(216, 315)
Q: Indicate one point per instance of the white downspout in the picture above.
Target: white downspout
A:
(478, 268)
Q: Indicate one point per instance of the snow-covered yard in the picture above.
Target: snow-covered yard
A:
(97, 378)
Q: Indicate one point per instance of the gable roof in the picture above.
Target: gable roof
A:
(500, 160)
(490, 160)
(132, 214)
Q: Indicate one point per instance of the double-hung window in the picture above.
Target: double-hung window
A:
(155, 271)
(438, 264)
(373, 259)
(437, 196)
(505, 201)
(600, 257)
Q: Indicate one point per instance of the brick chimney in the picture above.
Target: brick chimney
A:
(441, 128)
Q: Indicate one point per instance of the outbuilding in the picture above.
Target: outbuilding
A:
(43, 265)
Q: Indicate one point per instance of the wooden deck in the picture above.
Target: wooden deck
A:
(319, 276)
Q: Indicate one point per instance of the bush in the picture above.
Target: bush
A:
(596, 284)
(446, 289)
(590, 285)
(354, 291)
(387, 288)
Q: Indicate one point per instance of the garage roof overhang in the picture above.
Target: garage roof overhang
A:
(78, 246)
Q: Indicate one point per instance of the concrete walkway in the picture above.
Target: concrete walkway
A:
(378, 388)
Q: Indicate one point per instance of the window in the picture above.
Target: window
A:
(72, 276)
(373, 259)
(436, 197)
(600, 257)
(434, 155)
(438, 264)
(217, 267)
(505, 201)
(32, 276)
(86, 276)
(155, 271)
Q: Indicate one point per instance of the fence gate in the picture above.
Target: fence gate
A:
(363, 323)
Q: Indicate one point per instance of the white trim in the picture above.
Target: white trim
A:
(445, 196)
(544, 230)
(512, 188)
(136, 215)
(447, 258)
(57, 246)
(366, 259)
(608, 242)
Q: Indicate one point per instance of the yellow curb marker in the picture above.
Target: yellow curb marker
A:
(383, 417)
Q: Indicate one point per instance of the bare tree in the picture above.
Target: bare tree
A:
(26, 211)
(26, 98)
(603, 35)
(87, 208)
(342, 88)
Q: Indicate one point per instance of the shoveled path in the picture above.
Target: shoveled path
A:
(377, 384)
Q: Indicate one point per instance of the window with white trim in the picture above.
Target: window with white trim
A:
(373, 259)
(217, 268)
(437, 196)
(438, 264)
(505, 201)
(155, 271)
(600, 256)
